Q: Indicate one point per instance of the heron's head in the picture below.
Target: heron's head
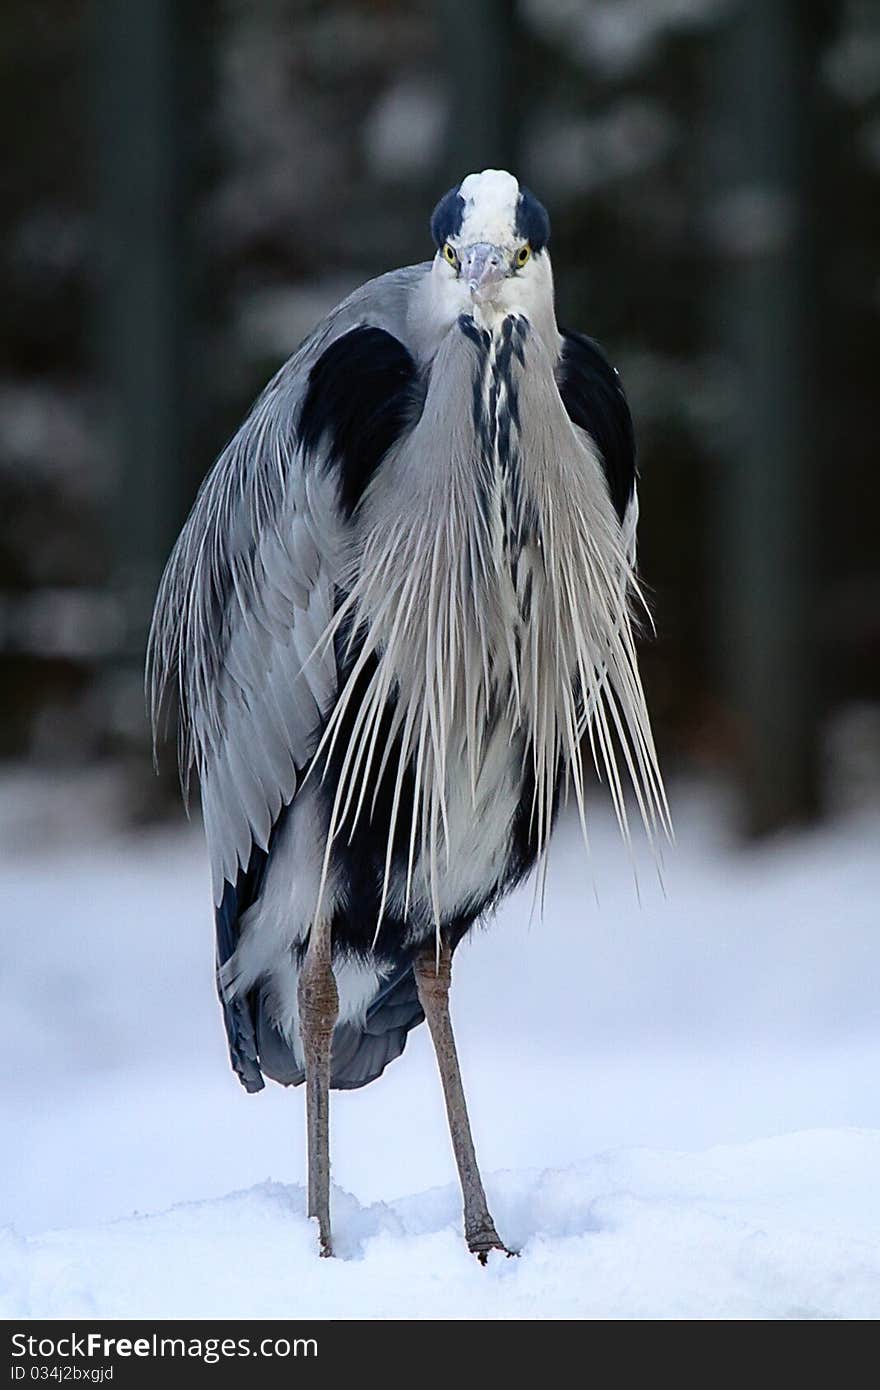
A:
(492, 256)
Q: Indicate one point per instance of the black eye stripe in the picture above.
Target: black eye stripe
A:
(532, 221)
(447, 216)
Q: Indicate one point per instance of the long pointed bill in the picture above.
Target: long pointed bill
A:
(483, 266)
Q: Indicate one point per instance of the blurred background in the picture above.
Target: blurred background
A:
(191, 186)
(187, 189)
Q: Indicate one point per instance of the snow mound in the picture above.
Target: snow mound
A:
(774, 1228)
(668, 1034)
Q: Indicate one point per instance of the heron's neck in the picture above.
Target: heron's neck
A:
(436, 305)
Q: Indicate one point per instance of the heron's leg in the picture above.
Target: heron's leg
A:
(318, 1011)
(432, 981)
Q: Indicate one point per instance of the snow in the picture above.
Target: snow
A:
(772, 1229)
(675, 1099)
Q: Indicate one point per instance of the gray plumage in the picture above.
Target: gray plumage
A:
(399, 611)
(246, 597)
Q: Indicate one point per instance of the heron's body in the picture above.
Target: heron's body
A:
(399, 604)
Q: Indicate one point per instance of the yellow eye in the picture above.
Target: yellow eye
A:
(449, 255)
(522, 256)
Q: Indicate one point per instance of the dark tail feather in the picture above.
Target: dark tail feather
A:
(255, 1044)
(359, 1054)
(238, 1014)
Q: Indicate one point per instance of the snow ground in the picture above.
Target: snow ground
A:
(675, 1102)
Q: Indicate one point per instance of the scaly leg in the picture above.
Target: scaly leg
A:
(432, 981)
(318, 1011)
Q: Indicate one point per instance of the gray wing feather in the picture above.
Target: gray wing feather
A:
(246, 599)
(630, 522)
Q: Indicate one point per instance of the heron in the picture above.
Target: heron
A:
(399, 629)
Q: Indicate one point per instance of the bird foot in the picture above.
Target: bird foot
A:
(483, 1242)
(325, 1236)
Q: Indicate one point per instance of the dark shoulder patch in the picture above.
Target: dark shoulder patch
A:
(532, 220)
(592, 394)
(447, 216)
(362, 393)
